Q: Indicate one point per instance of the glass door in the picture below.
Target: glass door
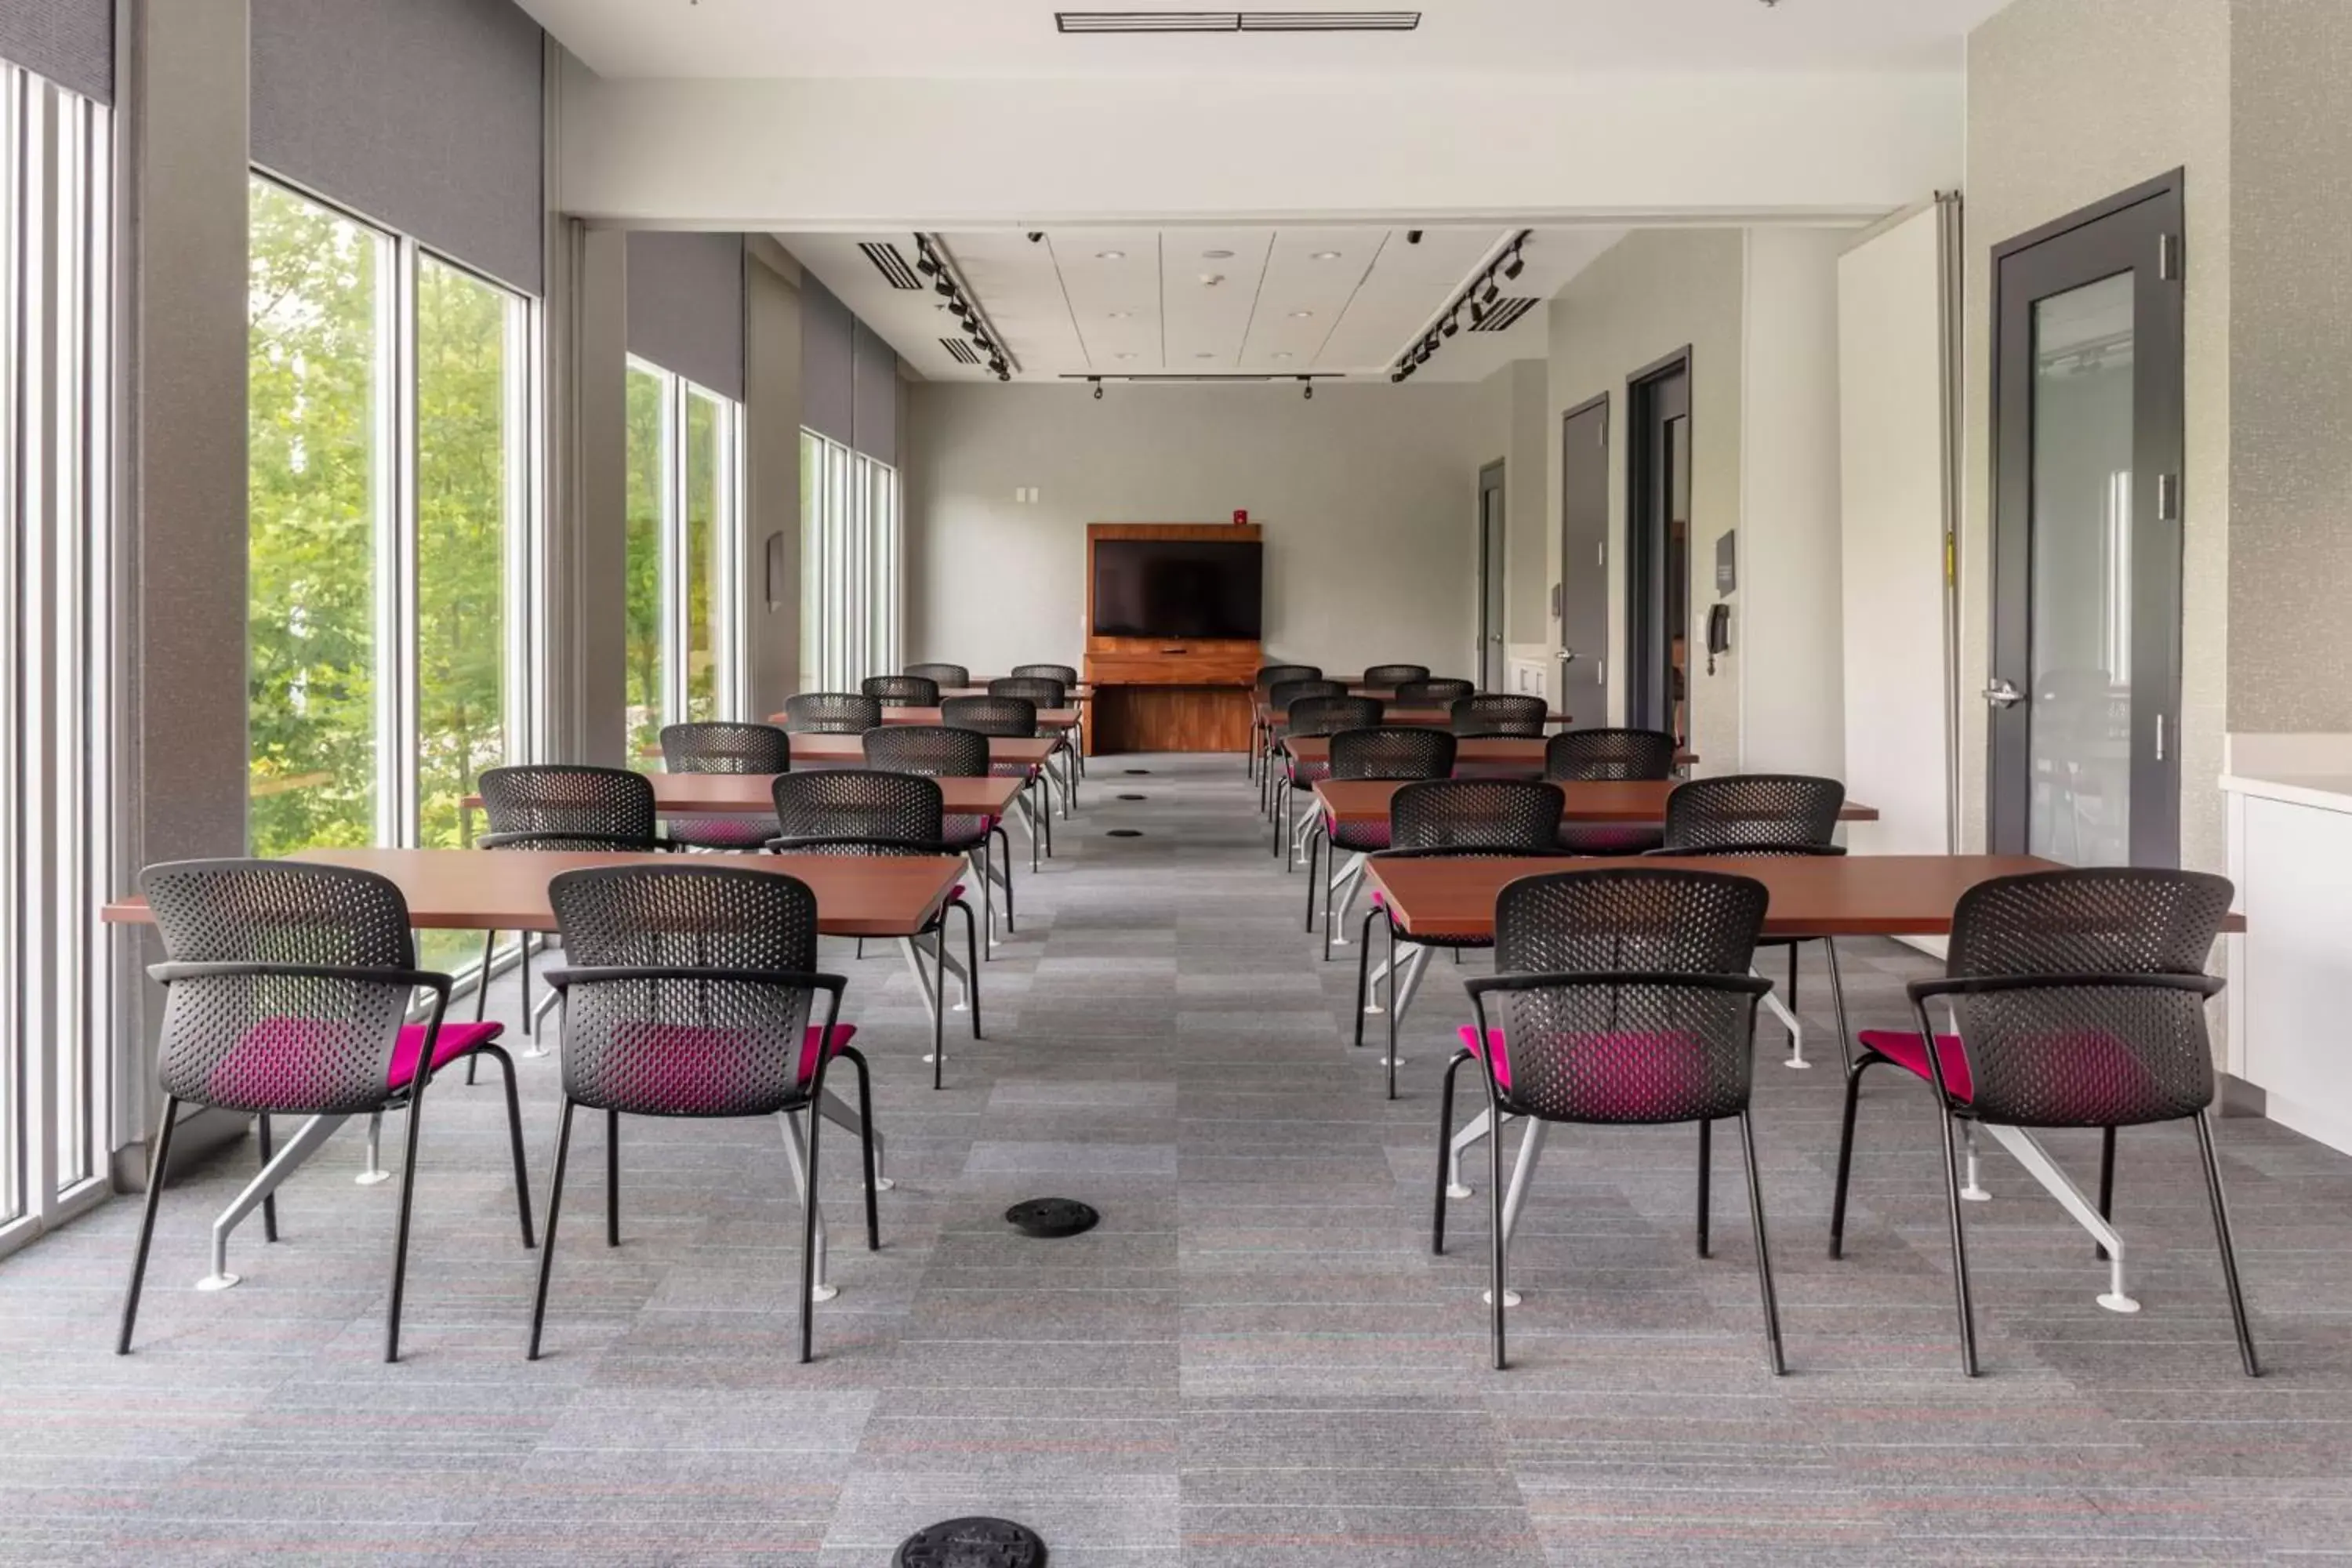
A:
(1657, 564)
(2085, 690)
(1488, 670)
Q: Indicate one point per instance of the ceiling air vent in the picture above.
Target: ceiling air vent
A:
(1502, 313)
(960, 350)
(1236, 21)
(890, 264)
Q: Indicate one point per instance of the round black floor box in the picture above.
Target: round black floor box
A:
(972, 1544)
(1123, 833)
(1135, 797)
(1140, 773)
(1052, 1217)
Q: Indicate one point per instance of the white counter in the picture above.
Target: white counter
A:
(2290, 996)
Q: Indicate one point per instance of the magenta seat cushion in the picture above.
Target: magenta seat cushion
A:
(688, 1069)
(1648, 1076)
(1012, 771)
(290, 1061)
(966, 829)
(724, 832)
(1909, 1053)
(1357, 834)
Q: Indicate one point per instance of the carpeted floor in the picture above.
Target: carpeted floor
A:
(1254, 1361)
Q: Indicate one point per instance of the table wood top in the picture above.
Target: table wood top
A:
(1846, 895)
(1419, 717)
(851, 748)
(678, 795)
(506, 889)
(1081, 692)
(1047, 717)
(1486, 751)
(1355, 801)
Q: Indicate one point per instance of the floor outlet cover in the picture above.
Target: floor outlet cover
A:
(972, 1544)
(1052, 1217)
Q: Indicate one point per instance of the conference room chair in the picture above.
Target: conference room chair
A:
(866, 811)
(1620, 996)
(831, 713)
(1404, 754)
(1764, 814)
(1279, 697)
(1045, 691)
(561, 807)
(1501, 714)
(1392, 676)
(287, 992)
(1009, 717)
(1431, 693)
(724, 747)
(689, 992)
(1262, 685)
(1454, 818)
(1068, 676)
(940, 751)
(2073, 999)
(1312, 716)
(948, 676)
(1606, 755)
(901, 690)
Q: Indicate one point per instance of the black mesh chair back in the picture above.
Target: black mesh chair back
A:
(1061, 672)
(1010, 717)
(932, 750)
(858, 811)
(946, 674)
(297, 1044)
(1752, 811)
(1270, 676)
(1329, 715)
(1645, 1009)
(1476, 816)
(1043, 692)
(732, 1042)
(2114, 1035)
(1409, 751)
(902, 691)
(1501, 714)
(568, 806)
(1280, 696)
(1393, 675)
(725, 748)
(1432, 693)
(1610, 754)
(831, 713)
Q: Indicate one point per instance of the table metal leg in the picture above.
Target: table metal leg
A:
(374, 1172)
(2044, 1170)
(1532, 1144)
(837, 1110)
(797, 1155)
(1788, 1021)
(298, 1150)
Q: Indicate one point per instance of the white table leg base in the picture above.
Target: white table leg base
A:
(1472, 1130)
(1788, 1021)
(217, 1281)
(2044, 1170)
(796, 1156)
(375, 1174)
(1974, 1190)
(284, 1163)
(1510, 1298)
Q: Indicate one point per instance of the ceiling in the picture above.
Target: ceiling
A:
(1205, 301)
(1018, 38)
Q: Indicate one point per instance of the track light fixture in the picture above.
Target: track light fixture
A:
(1097, 384)
(924, 264)
(1453, 323)
(1518, 264)
(1309, 383)
(1478, 297)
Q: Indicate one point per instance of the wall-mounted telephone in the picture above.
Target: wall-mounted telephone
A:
(1718, 633)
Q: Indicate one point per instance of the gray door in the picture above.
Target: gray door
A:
(1584, 563)
(1487, 665)
(2084, 698)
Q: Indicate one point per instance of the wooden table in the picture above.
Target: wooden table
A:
(1082, 692)
(1047, 717)
(735, 795)
(1417, 718)
(850, 749)
(1354, 802)
(1490, 752)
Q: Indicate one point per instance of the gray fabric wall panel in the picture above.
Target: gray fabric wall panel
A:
(71, 42)
(421, 114)
(828, 364)
(685, 306)
(876, 398)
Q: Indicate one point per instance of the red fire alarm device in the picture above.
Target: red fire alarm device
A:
(1241, 517)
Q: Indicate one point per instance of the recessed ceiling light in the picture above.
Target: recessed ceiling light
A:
(1205, 356)
(1301, 315)
(1324, 256)
(1285, 355)
(1126, 356)
(1110, 256)
(1216, 256)
(1121, 315)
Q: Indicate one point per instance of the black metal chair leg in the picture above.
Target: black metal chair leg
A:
(808, 1239)
(1763, 1249)
(407, 1200)
(270, 1204)
(1005, 842)
(1845, 1162)
(156, 1168)
(514, 1138)
(1330, 869)
(1706, 1170)
(1497, 1266)
(547, 1234)
(2107, 1183)
(1314, 855)
(522, 968)
(865, 1133)
(970, 961)
(2246, 1355)
(1395, 991)
(612, 1178)
(1444, 1148)
(482, 990)
(1364, 970)
(987, 892)
(1960, 1251)
(938, 1005)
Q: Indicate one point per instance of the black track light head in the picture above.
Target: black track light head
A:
(946, 287)
(1036, 235)
(1308, 384)
(1452, 325)
(1517, 265)
(1396, 375)
(924, 264)
(1413, 236)
(1097, 383)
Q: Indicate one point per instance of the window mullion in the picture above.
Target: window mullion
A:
(395, 543)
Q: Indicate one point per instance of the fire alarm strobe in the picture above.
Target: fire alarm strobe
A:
(1241, 517)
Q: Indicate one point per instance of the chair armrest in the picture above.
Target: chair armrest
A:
(1766, 851)
(614, 840)
(1457, 854)
(1989, 985)
(789, 978)
(1733, 985)
(413, 978)
(908, 846)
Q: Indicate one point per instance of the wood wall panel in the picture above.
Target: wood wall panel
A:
(1169, 719)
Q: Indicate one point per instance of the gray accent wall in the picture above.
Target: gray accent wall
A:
(423, 115)
(71, 42)
(828, 364)
(772, 463)
(685, 306)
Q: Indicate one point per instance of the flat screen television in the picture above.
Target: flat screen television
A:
(1195, 588)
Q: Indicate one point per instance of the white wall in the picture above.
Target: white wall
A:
(1525, 484)
(1788, 614)
(772, 451)
(1368, 496)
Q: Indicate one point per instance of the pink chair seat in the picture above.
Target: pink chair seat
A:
(1012, 771)
(2083, 1078)
(1649, 1076)
(1357, 834)
(295, 1062)
(724, 832)
(966, 829)
(1910, 1053)
(687, 1069)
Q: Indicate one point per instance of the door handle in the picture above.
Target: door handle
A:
(1568, 656)
(2001, 694)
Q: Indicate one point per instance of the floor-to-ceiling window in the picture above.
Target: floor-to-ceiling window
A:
(55, 680)
(389, 535)
(849, 565)
(683, 497)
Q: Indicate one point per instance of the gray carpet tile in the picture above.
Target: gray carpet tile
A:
(1253, 1359)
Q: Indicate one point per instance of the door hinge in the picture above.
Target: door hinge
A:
(2168, 497)
(2168, 257)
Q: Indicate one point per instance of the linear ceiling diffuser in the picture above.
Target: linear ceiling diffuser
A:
(1236, 21)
